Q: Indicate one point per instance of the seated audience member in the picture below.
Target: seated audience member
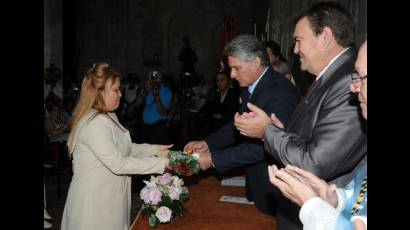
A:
(200, 93)
(224, 103)
(129, 111)
(132, 89)
(196, 121)
(323, 206)
(55, 125)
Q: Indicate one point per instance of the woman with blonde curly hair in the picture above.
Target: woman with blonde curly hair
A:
(103, 154)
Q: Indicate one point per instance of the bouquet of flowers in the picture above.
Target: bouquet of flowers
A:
(163, 198)
(184, 163)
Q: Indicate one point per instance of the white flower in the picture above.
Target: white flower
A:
(153, 180)
(149, 183)
(174, 192)
(177, 182)
(195, 156)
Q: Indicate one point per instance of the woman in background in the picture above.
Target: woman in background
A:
(278, 61)
(55, 125)
(224, 104)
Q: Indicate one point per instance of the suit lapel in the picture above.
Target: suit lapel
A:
(261, 84)
(258, 89)
(345, 57)
(304, 102)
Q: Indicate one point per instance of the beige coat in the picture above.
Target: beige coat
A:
(100, 191)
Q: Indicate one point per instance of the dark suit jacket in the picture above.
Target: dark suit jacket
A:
(229, 149)
(324, 134)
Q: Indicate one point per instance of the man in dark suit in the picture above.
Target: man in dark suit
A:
(226, 148)
(321, 136)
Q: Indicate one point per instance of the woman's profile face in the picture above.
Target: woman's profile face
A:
(272, 57)
(112, 97)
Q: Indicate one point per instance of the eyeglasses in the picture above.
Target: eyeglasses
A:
(357, 78)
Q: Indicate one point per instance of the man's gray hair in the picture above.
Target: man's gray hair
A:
(247, 48)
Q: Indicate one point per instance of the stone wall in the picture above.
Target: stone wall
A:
(281, 27)
(128, 33)
(283, 13)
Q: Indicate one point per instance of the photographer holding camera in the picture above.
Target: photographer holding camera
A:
(157, 99)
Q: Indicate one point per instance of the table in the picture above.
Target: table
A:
(205, 211)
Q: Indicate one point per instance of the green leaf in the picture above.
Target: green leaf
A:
(194, 165)
(166, 201)
(183, 197)
(153, 221)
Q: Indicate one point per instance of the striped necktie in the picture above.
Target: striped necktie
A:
(360, 197)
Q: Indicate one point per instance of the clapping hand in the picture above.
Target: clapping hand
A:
(299, 185)
(252, 124)
(359, 225)
(325, 191)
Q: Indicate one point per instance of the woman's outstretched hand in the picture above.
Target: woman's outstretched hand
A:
(164, 149)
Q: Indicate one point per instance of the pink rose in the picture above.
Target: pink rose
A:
(144, 194)
(154, 195)
(164, 179)
(163, 214)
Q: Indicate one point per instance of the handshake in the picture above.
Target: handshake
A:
(201, 148)
(195, 156)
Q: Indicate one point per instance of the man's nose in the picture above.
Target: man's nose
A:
(233, 74)
(355, 87)
(296, 49)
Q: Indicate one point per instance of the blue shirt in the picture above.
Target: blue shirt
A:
(252, 87)
(346, 220)
(151, 114)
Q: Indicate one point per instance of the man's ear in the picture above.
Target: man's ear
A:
(327, 37)
(257, 62)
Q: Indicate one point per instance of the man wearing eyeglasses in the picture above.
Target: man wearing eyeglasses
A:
(324, 134)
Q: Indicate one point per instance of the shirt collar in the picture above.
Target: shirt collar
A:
(330, 63)
(253, 85)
